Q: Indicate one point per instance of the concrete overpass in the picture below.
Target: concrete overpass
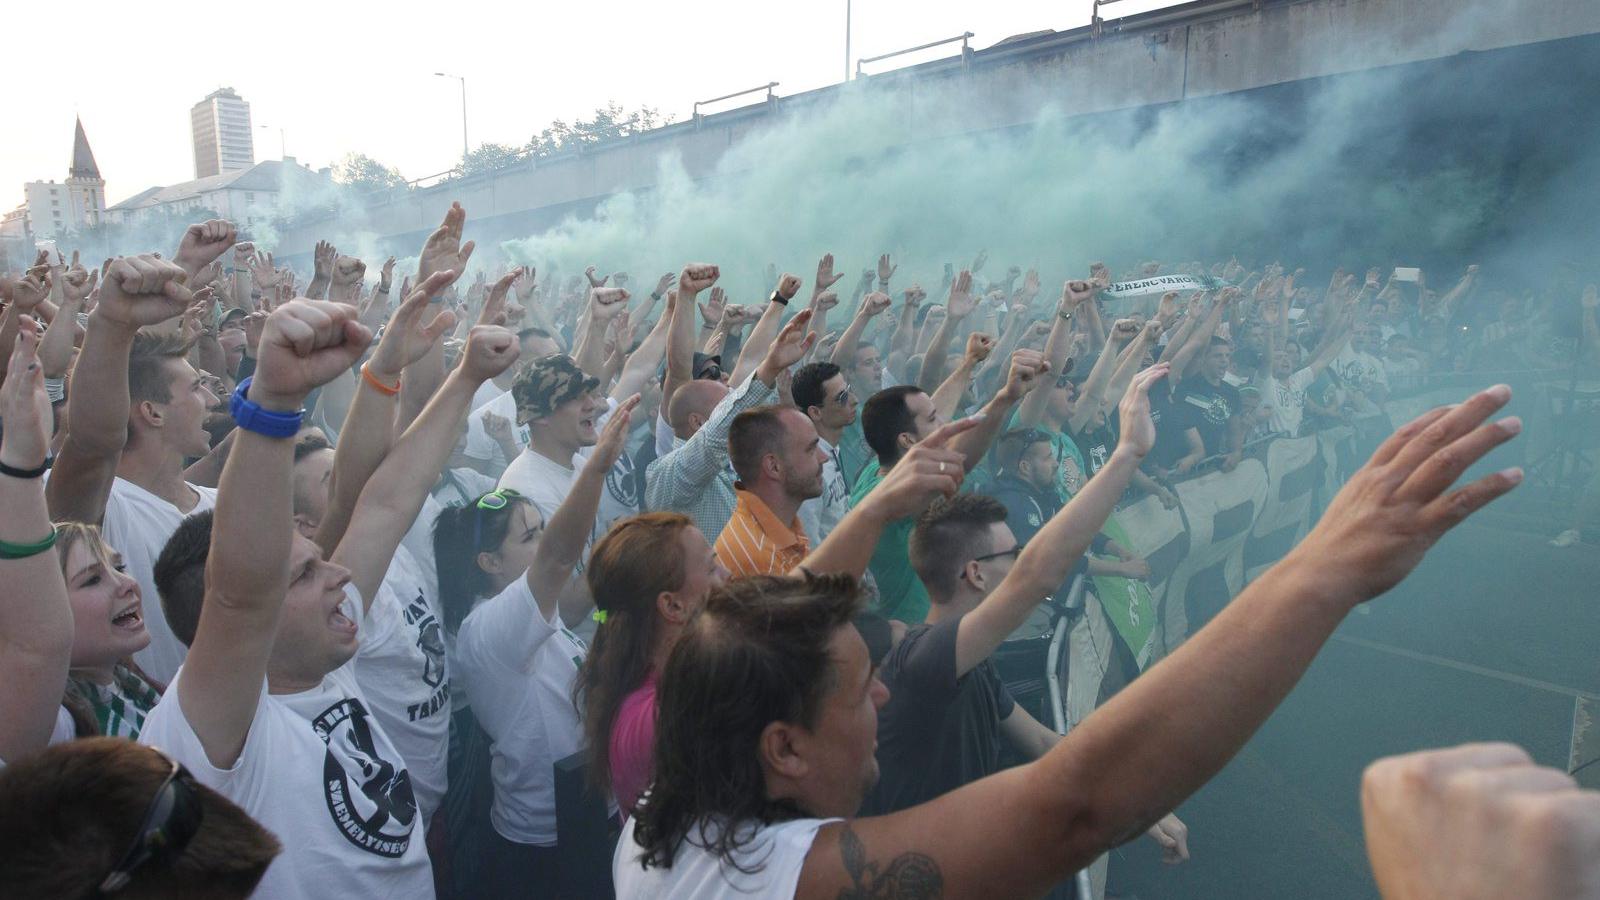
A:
(1194, 50)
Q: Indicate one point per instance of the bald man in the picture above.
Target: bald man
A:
(695, 478)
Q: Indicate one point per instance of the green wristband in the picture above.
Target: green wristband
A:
(23, 551)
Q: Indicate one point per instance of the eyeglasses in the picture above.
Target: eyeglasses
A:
(170, 823)
(712, 372)
(1014, 552)
(494, 501)
(843, 397)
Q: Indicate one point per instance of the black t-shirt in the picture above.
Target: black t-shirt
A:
(1208, 408)
(1170, 445)
(937, 732)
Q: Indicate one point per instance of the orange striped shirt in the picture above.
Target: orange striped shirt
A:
(754, 542)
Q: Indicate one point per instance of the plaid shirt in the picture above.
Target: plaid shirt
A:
(696, 478)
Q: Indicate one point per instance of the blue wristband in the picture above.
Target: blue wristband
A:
(251, 417)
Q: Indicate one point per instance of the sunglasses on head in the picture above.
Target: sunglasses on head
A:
(711, 372)
(170, 823)
(494, 501)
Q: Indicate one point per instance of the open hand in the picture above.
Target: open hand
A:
(412, 331)
(443, 249)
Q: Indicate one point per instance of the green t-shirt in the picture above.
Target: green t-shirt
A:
(900, 592)
(854, 454)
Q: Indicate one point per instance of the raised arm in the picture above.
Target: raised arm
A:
(1163, 736)
(930, 469)
(55, 349)
(1074, 294)
(1051, 554)
(605, 304)
(948, 396)
(305, 344)
(393, 496)
(695, 278)
(201, 245)
(567, 533)
(755, 346)
(35, 617)
(646, 358)
(23, 296)
(905, 329)
(1094, 385)
(1201, 336)
(368, 429)
(1027, 372)
(137, 291)
(442, 251)
(844, 352)
(959, 307)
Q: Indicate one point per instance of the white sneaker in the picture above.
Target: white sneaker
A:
(1566, 538)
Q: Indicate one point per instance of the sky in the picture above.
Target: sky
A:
(359, 77)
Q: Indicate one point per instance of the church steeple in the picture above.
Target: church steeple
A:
(83, 165)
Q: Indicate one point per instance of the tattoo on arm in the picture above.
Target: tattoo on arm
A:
(909, 876)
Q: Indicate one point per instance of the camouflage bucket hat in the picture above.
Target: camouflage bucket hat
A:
(546, 383)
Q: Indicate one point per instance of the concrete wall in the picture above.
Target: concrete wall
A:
(1198, 49)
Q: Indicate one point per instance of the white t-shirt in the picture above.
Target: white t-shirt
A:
(779, 849)
(819, 515)
(1288, 399)
(480, 445)
(518, 668)
(1362, 372)
(403, 669)
(318, 771)
(547, 483)
(137, 525)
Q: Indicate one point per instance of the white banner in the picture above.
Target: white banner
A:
(1160, 284)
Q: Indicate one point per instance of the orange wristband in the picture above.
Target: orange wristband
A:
(377, 385)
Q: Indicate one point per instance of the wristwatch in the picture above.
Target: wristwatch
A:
(778, 299)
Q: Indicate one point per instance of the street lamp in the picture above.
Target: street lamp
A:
(283, 143)
(463, 112)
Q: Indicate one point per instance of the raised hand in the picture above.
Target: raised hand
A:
(24, 404)
(695, 278)
(874, 303)
(663, 283)
(77, 282)
(961, 303)
(386, 275)
(1396, 506)
(1138, 430)
(498, 428)
(789, 347)
(201, 245)
(826, 277)
(978, 261)
(1477, 822)
(348, 273)
(1125, 330)
(715, 307)
(614, 436)
(866, 281)
(443, 249)
(592, 274)
(929, 469)
(885, 269)
(305, 344)
(788, 286)
(142, 290)
(494, 304)
(1030, 286)
(322, 258)
(263, 271)
(825, 301)
(27, 292)
(1168, 309)
(1099, 275)
(606, 303)
(914, 295)
(1027, 368)
(979, 346)
(412, 332)
(490, 351)
(1170, 833)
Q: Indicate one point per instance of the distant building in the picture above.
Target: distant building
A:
(50, 209)
(223, 139)
(254, 194)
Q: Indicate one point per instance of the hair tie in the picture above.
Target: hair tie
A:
(599, 616)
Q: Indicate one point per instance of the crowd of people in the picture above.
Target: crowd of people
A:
(308, 591)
